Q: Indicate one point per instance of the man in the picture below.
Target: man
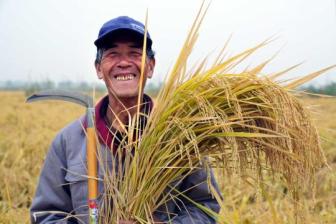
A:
(61, 196)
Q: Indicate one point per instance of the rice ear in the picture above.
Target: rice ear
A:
(239, 122)
(278, 74)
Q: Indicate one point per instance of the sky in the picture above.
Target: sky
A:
(53, 39)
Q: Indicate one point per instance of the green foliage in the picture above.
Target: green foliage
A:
(153, 89)
(329, 89)
(31, 87)
(37, 86)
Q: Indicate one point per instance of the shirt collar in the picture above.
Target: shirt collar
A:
(107, 135)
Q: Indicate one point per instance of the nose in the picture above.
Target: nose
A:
(124, 62)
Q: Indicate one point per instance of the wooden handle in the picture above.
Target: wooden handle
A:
(92, 163)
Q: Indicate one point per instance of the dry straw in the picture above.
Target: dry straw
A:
(211, 117)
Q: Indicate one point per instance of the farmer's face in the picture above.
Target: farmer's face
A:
(120, 68)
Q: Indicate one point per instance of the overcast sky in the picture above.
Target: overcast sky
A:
(53, 39)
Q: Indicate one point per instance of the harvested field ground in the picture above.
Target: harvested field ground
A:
(26, 131)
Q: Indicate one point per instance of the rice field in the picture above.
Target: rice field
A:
(26, 130)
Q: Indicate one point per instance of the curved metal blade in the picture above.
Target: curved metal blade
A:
(74, 97)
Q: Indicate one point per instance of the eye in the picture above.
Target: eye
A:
(136, 53)
(112, 53)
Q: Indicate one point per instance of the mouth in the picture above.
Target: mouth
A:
(124, 77)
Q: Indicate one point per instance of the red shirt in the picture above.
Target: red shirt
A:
(108, 135)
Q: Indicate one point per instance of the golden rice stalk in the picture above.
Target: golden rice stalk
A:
(211, 117)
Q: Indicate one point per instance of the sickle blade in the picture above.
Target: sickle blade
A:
(74, 97)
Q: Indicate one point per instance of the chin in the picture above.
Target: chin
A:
(126, 94)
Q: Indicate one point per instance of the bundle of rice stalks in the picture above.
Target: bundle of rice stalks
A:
(211, 117)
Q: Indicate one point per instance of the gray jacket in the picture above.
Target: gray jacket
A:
(61, 195)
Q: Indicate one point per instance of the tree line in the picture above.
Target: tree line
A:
(152, 89)
(329, 89)
(83, 86)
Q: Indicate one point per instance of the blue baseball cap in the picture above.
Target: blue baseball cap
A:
(121, 24)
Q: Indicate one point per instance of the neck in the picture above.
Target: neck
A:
(119, 110)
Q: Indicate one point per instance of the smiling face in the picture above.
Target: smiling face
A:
(120, 68)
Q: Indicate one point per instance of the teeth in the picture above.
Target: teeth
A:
(125, 77)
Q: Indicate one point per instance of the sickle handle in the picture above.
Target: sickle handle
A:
(92, 175)
(92, 165)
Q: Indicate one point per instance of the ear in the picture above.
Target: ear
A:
(98, 71)
(150, 70)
